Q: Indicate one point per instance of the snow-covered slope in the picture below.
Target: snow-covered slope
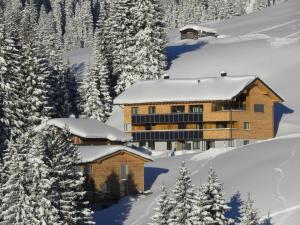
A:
(264, 43)
(269, 170)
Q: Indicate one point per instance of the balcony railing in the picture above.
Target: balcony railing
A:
(167, 118)
(167, 135)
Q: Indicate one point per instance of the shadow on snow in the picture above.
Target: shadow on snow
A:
(173, 52)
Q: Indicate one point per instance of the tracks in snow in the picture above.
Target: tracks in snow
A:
(279, 194)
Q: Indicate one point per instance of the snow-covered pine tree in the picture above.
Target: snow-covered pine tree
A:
(122, 29)
(259, 4)
(96, 101)
(87, 22)
(214, 201)
(71, 40)
(35, 73)
(90, 101)
(12, 106)
(182, 199)
(2, 181)
(61, 79)
(59, 11)
(150, 37)
(16, 200)
(3, 86)
(41, 182)
(249, 214)
(26, 184)
(231, 8)
(199, 215)
(163, 208)
(241, 7)
(212, 10)
(67, 192)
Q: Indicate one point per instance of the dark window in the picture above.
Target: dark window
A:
(182, 126)
(151, 145)
(151, 110)
(148, 127)
(177, 109)
(246, 142)
(259, 108)
(123, 171)
(134, 110)
(87, 169)
(169, 145)
(142, 144)
(196, 108)
(222, 125)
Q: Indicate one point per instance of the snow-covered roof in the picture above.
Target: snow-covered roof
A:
(198, 28)
(184, 90)
(93, 152)
(90, 128)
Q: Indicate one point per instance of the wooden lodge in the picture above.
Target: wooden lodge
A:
(113, 170)
(202, 113)
(196, 32)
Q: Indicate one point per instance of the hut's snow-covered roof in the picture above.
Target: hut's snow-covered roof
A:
(184, 90)
(198, 28)
(90, 128)
(94, 152)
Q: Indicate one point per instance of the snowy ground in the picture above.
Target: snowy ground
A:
(267, 169)
(265, 43)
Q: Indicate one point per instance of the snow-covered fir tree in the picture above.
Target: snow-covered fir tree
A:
(90, 99)
(35, 73)
(163, 208)
(214, 200)
(96, 101)
(150, 40)
(67, 193)
(62, 82)
(182, 199)
(27, 183)
(122, 24)
(11, 51)
(199, 214)
(249, 214)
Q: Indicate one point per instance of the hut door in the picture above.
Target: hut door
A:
(123, 188)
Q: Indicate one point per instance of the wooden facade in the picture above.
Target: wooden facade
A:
(105, 181)
(192, 33)
(189, 34)
(248, 116)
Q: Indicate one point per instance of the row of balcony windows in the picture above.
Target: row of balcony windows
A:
(167, 135)
(217, 106)
(167, 118)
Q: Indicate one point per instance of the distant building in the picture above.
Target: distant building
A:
(199, 113)
(195, 32)
(113, 169)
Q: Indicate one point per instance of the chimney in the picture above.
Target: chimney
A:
(166, 77)
(223, 74)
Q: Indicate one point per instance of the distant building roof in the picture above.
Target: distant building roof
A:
(90, 128)
(92, 153)
(181, 90)
(198, 28)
